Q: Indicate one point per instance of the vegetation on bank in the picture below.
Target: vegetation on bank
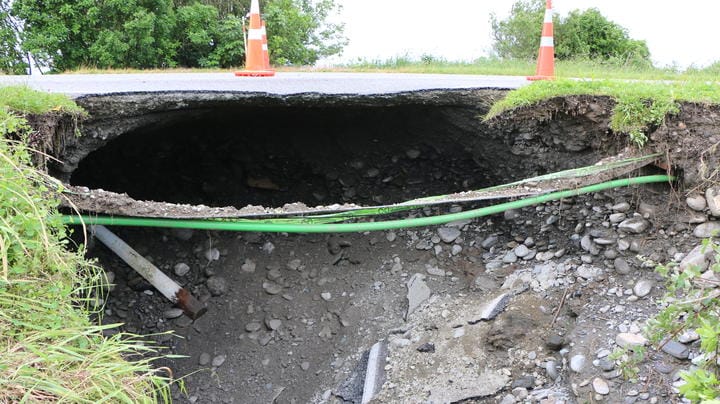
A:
(640, 105)
(51, 349)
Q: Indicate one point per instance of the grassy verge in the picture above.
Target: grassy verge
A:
(482, 66)
(49, 348)
(640, 104)
(563, 68)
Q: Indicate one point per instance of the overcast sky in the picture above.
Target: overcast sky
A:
(682, 32)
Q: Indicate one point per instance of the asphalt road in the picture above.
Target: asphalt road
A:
(77, 85)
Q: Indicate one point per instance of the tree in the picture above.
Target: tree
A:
(518, 36)
(67, 34)
(581, 35)
(305, 36)
(588, 34)
(11, 56)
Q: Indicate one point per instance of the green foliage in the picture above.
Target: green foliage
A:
(24, 100)
(143, 34)
(51, 351)
(589, 35)
(518, 36)
(196, 27)
(628, 361)
(691, 303)
(581, 35)
(298, 33)
(11, 57)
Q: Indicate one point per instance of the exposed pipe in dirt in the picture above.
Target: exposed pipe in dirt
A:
(261, 226)
(166, 286)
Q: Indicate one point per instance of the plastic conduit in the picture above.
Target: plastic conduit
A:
(204, 224)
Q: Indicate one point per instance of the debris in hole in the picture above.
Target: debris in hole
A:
(171, 290)
(417, 292)
(427, 347)
(491, 309)
(375, 373)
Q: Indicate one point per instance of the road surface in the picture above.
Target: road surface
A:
(77, 85)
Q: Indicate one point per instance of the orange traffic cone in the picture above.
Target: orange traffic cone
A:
(256, 64)
(546, 55)
(266, 53)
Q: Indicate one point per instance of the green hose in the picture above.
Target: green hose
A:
(202, 224)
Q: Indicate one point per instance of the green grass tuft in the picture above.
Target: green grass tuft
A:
(640, 104)
(49, 349)
(24, 100)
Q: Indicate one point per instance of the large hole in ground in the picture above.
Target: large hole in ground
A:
(291, 316)
(270, 156)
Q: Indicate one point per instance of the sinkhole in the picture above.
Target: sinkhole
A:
(317, 150)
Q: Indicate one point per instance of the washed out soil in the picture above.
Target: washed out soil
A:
(291, 317)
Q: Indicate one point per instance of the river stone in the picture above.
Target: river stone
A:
(272, 323)
(212, 254)
(610, 254)
(218, 360)
(600, 386)
(577, 363)
(522, 250)
(605, 364)
(676, 349)
(587, 244)
(617, 217)
(635, 225)
(647, 210)
(253, 326)
(173, 313)
(712, 196)
(688, 337)
(434, 271)
(621, 207)
(621, 266)
(696, 202)
(643, 287)
(630, 340)
(510, 258)
(448, 234)
(248, 266)
(182, 234)
(706, 230)
(697, 258)
(526, 381)
(204, 359)
(412, 153)
(181, 269)
(456, 249)
(271, 288)
(489, 242)
(217, 285)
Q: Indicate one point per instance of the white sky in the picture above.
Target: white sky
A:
(681, 32)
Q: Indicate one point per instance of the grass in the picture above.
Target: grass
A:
(563, 68)
(482, 66)
(49, 348)
(640, 104)
(25, 100)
